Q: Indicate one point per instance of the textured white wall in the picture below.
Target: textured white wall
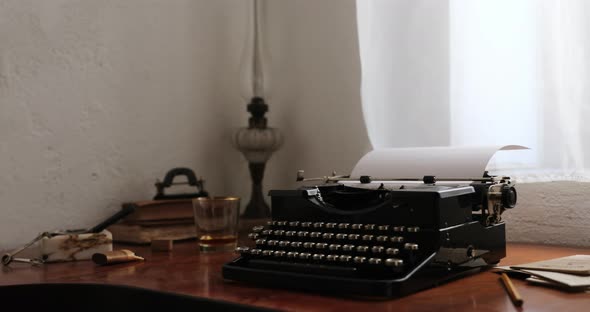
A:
(99, 98)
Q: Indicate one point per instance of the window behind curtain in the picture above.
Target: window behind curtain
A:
(465, 72)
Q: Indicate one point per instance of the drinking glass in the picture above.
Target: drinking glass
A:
(216, 221)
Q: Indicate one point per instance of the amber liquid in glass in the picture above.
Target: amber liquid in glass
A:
(217, 242)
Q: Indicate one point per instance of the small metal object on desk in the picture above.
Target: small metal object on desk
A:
(115, 256)
(7, 258)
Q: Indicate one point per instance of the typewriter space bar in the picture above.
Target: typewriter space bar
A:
(301, 267)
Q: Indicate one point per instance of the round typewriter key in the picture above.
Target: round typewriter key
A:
(331, 225)
(318, 257)
(375, 261)
(359, 260)
(397, 239)
(271, 223)
(345, 258)
(253, 235)
(348, 247)
(382, 238)
(318, 225)
(367, 237)
(243, 250)
(328, 235)
(343, 226)
(290, 233)
(308, 245)
(306, 224)
(392, 262)
(292, 254)
(304, 256)
(414, 229)
(260, 241)
(258, 229)
(267, 252)
(356, 226)
(341, 236)
(399, 228)
(369, 227)
(377, 249)
(321, 245)
(392, 251)
(315, 234)
(332, 257)
(362, 248)
(267, 232)
(302, 233)
(284, 243)
(280, 253)
(294, 223)
(255, 252)
(295, 244)
(281, 223)
(279, 232)
(410, 246)
(383, 227)
(272, 242)
(334, 247)
(353, 236)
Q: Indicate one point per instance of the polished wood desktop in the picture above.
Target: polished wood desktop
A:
(186, 271)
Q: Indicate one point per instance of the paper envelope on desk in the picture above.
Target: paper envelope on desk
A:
(577, 264)
(570, 280)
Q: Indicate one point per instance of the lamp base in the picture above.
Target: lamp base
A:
(257, 208)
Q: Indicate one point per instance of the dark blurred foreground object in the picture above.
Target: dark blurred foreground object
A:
(100, 297)
(166, 216)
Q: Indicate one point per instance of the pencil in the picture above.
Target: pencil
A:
(514, 295)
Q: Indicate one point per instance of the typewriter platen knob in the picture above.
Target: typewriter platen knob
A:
(509, 196)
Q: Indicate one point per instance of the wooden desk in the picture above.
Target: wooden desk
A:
(187, 271)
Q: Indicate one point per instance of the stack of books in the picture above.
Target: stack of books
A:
(156, 219)
(568, 273)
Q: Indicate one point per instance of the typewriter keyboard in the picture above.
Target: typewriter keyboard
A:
(344, 248)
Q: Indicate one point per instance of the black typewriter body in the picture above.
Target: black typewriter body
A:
(346, 240)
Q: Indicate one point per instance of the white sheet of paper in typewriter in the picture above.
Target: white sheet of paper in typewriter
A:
(443, 162)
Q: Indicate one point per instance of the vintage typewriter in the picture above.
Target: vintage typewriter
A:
(375, 236)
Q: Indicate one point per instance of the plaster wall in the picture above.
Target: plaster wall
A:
(100, 98)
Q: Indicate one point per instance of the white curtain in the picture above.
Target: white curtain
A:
(464, 72)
